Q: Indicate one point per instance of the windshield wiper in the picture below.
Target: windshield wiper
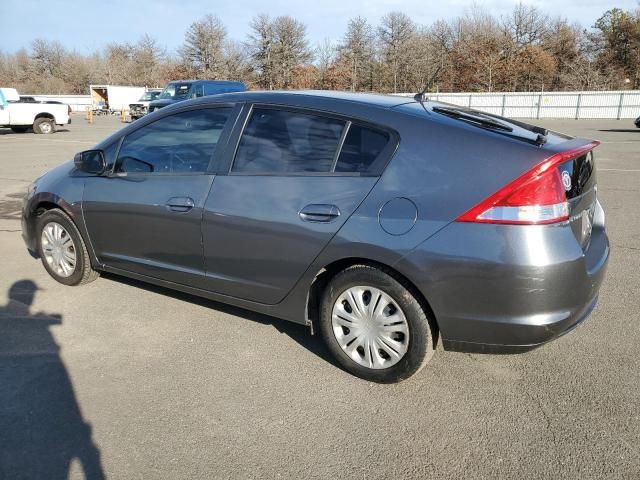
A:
(482, 121)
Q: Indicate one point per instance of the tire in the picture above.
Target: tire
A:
(44, 126)
(80, 271)
(19, 129)
(401, 354)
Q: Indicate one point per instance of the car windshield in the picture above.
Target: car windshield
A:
(176, 91)
(148, 96)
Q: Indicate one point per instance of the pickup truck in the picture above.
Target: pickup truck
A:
(141, 107)
(21, 116)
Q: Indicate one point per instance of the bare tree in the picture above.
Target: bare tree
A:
(237, 64)
(46, 57)
(203, 47)
(325, 55)
(147, 56)
(260, 45)
(290, 48)
(526, 25)
(117, 64)
(477, 51)
(396, 33)
(358, 50)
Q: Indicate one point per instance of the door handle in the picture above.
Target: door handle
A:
(180, 204)
(320, 213)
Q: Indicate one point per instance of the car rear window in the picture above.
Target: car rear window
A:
(279, 141)
(361, 148)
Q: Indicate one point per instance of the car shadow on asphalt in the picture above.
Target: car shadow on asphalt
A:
(42, 431)
(620, 130)
(297, 332)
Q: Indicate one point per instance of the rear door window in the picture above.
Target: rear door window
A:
(281, 142)
(180, 143)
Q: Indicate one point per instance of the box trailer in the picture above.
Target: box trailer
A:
(113, 98)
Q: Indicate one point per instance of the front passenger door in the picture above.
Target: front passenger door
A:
(145, 216)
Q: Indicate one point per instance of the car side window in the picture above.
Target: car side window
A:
(280, 141)
(362, 147)
(198, 91)
(180, 143)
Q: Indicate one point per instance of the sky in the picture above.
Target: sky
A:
(88, 25)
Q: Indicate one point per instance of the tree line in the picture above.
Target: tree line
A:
(526, 50)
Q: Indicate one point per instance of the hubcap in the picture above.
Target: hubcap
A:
(58, 249)
(370, 327)
(45, 127)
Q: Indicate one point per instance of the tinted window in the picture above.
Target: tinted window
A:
(198, 91)
(276, 141)
(176, 91)
(361, 148)
(180, 143)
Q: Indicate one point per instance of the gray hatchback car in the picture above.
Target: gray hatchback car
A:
(385, 223)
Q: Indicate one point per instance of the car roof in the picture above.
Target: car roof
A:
(285, 96)
(220, 82)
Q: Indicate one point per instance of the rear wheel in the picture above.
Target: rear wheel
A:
(374, 326)
(44, 126)
(19, 129)
(62, 250)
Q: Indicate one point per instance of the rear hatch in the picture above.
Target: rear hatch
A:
(578, 176)
(562, 188)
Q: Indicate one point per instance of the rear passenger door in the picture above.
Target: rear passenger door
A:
(294, 178)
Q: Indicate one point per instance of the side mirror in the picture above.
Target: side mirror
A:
(90, 161)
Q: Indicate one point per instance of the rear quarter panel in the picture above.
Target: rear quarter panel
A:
(444, 170)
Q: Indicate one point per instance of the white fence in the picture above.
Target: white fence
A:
(609, 104)
(78, 103)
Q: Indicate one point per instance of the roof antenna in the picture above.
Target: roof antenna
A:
(422, 96)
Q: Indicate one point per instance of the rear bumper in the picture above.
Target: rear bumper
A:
(507, 289)
(546, 333)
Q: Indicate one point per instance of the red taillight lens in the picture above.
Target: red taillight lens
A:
(536, 197)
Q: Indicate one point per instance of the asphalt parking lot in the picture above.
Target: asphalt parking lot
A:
(118, 379)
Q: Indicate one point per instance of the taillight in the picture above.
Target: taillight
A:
(536, 197)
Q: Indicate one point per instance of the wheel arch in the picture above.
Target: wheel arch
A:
(48, 115)
(325, 274)
(38, 205)
(45, 201)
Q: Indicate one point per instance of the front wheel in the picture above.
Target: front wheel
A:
(62, 250)
(374, 326)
